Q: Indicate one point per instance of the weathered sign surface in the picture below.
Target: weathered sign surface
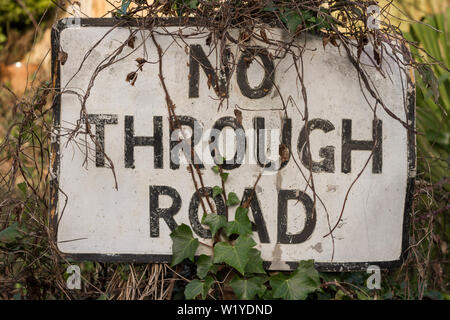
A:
(362, 165)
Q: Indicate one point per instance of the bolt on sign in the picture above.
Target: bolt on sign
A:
(335, 173)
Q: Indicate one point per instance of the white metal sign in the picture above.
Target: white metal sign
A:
(361, 158)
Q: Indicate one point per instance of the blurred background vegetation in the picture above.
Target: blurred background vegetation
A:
(27, 267)
(20, 15)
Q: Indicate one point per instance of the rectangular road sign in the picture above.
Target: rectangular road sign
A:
(342, 163)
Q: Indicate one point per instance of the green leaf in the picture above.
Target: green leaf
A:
(257, 262)
(196, 287)
(241, 224)
(268, 295)
(216, 191)
(340, 295)
(232, 199)
(363, 296)
(237, 255)
(215, 169)
(293, 20)
(307, 15)
(214, 222)
(10, 234)
(270, 9)
(430, 80)
(193, 289)
(298, 285)
(209, 281)
(184, 244)
(224, 176)
(205, 265)
(23, 188)
(193, 4)
(247, 289)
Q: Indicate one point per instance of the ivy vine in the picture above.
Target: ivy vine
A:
(234, 253)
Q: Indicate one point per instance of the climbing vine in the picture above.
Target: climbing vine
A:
(234, 261)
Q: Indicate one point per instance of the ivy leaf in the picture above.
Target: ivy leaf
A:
(215, 169)
(23, 188)
(205, 265)
(247, 289)
(193, 4)
(270, 9)
(257, 262)
(216, 191)
(209, 281)
(224, 176)
(341, 295)
(241, 224)
(196, 287)
(214, 222)
(268, 295)
(237, 255)
(430, 80)
(232, 199)
(10, 234)
(293, 20)
(307, 15)
(323, 23)
(184, 244)
(298, 285)
(193, 289)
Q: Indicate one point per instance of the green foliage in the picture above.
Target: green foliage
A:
(196, 287)
(293, 19)
(216, 191)
(433, 94)
(237, 255)
(2, 39)
(241, 224)
(10, 234)
(232, 199)
(298, 284)
(247, 289)
(224, 176)
(184, 245)
(193, 4)
(215, 169)
(23, 188)
(205, 265)
(256, 265)
(430, 219)
(296, 19)
(12, 13)
(214, 221)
